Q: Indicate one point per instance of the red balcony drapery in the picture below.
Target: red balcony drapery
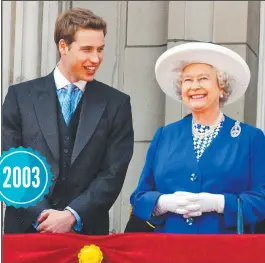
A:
(135, 248)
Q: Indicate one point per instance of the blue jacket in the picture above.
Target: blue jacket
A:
(232, 166)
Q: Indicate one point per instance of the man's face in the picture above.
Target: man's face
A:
(83, 57)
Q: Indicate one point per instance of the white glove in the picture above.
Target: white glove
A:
(208, 203)
(176, 203)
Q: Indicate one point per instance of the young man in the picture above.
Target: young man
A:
(82, 126)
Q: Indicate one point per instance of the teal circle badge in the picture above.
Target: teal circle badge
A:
(25, 177)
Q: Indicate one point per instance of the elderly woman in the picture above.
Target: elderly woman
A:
(200, 168)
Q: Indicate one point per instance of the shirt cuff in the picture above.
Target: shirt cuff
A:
(36, 224)
(78, 224)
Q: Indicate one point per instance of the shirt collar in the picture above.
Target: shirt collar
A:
(61, 81)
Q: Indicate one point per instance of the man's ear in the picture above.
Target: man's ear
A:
(63, 47)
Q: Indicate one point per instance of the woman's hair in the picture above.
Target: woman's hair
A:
(223, 79)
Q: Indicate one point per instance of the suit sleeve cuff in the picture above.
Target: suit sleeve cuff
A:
(230, 210)
(144, 205)
(78, 223)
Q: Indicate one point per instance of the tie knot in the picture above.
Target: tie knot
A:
(70, 87)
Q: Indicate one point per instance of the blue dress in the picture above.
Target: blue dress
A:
(232, 166)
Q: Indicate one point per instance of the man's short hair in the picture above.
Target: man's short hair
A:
(70, 21)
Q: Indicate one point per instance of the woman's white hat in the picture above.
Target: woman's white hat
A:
(173, 60)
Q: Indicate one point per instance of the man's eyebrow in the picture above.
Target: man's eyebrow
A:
(87, 47)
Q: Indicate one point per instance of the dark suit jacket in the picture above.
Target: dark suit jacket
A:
(136, 224)
(102, 150)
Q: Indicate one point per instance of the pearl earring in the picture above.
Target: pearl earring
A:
(221, 96)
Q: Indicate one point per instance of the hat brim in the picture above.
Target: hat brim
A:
(222, 58)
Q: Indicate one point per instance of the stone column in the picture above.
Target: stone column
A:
(27, 43)
(146, 40)
(261, 79)
(7, 44)
(29, 49)
(252, 55)
(49, 52)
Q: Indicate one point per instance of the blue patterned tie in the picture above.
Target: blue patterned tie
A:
(69, 97)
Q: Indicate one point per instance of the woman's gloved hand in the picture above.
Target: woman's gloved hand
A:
(208, 203)
(177, 203)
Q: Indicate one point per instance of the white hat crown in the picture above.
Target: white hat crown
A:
(222, 58)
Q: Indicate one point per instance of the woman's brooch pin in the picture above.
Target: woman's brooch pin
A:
(236, 129)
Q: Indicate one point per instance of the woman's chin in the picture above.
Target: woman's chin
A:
(196, 106)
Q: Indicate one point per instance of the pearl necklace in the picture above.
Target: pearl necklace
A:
(208, 132)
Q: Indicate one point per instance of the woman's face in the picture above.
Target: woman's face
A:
(200, 90)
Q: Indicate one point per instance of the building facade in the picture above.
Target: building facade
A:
(138, 33)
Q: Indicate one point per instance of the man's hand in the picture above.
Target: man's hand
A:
(53, 221)
(45, 214)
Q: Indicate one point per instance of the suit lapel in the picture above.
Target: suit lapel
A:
(91, 113)
(45, 100)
